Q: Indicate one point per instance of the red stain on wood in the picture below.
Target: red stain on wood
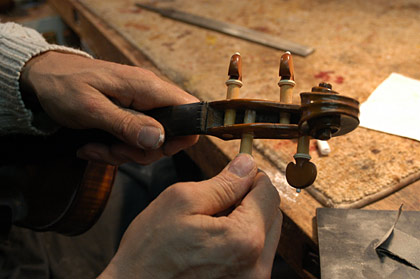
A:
(324, 75)
(312, 146)
(329, 75)
(262, 29)
(284, 144)
(339, 79)
(137, 26)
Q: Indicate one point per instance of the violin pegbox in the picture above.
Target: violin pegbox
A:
(323, 114)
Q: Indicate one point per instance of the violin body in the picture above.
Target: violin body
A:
(44, 187)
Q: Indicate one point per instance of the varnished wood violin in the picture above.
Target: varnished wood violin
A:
(36, 193)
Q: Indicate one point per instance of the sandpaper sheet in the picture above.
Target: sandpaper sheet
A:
(357, 244)
(400, 246)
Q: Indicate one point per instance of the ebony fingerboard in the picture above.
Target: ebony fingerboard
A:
(183, 120)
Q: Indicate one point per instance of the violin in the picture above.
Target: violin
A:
(46, 188)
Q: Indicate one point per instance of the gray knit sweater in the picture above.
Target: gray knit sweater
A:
(17, 46)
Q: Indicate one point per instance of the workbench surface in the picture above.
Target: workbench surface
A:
(358, 44)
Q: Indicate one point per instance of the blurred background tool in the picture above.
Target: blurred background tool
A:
(233, 30)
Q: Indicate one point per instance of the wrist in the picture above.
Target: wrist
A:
(113, 271)
(29, 96)
(26, 88)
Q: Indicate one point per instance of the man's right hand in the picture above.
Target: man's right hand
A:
(179, 236)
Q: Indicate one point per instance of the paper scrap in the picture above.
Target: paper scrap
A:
(394, 107)
(389, 232)
(399, 246)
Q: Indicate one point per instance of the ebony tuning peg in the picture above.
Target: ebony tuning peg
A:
(302, 173)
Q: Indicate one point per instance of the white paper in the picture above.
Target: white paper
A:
(394, 107)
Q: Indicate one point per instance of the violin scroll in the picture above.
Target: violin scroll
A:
(327, 114)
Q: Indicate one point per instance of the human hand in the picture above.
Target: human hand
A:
(81, 93)
(178, 235)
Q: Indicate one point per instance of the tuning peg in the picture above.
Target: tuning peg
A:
(286, 70)
(235, 67)
(303, 173)
(286, 83)
(234, 83)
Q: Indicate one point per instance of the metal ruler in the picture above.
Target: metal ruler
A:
(233, 30)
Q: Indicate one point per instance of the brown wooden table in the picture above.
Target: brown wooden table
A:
(298, 243)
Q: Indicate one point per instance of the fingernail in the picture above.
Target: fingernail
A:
(150, 137)
(242, 165)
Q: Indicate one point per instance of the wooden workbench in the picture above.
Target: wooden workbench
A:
(298, 242)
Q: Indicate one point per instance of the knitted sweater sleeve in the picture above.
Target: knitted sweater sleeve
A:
(18, 45)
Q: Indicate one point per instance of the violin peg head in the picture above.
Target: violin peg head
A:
(286, 71)
(235, 67)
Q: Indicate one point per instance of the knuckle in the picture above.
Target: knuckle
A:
(155, 83)
(248, 246)
(89, 105)
(254, 245)
(85, 105)
(274, 194)
(122, 125)
(179, 192)
(156, 86)
(271, 192)
(147, 73)
(225, 188)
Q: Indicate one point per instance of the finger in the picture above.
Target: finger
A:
(118, 154)
(132, 127)
(133, 154)
(260, 205)
(99, 153)
(173, 146)
(225, 189)
(265, 261)
(141, 89)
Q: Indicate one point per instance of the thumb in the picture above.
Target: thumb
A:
(227, 188)
(132, 127)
